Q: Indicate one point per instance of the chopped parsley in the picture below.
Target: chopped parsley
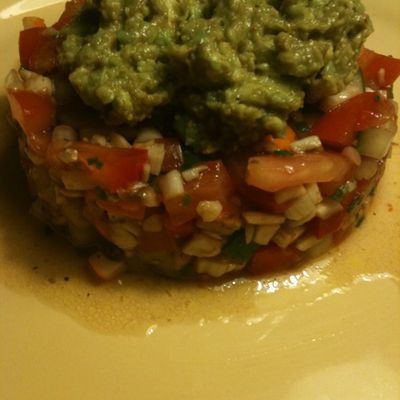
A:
(96, 162)
(186, 200)
(343, 190)
(301, 127)
(377, 98)
(237, 249)
(355, 203)
(283, 153)
(100, 193)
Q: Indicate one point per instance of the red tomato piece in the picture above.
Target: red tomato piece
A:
(35, 113)
(272, 173)
(178, 231)
(339, 126)
(262, 199)
(37, 51)
(379, 71)
(152, 242)
(123, 208)
(173, 158)
(111, 168)
(71, 9)
(212, 184)
(272, 258)
(325, 227)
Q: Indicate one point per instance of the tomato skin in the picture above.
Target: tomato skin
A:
(372, 63)
(71, 9)
(212, 184)
(339, 126)
(272, 173)
(37, 51)
(325, 227)
(35, 113)
(272, 258)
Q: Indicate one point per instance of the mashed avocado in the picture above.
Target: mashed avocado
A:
(225, 71)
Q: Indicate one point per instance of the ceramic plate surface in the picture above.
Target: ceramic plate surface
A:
(328, 330)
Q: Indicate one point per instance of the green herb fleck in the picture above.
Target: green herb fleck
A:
(283, 153)
(343, 190)
(100, 193)
(301, 127)
(377, 98)
(339, 194)
(186, 200)
(372, 192)
(355, 203)
(237, 249)
(359, 221)
(96, 162)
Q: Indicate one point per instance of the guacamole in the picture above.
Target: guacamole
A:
(224, 72)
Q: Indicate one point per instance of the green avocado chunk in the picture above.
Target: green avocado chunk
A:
(227, 71)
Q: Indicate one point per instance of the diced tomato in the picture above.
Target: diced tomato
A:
(33, 22)
(272, 258)
(35, 113)
(71, 9)
(262, 199)
(151, 242)
(123, 208)
(212, 184)
(38, 51)
(364, 188)
(272, 173)
(323, 227)
(379, 71)
(284, 142)
(173, 158)
(109, 168)
(339, 126)
(178, 231)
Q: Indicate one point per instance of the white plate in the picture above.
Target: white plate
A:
(330, 331)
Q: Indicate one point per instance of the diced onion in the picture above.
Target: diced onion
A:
(306, 242)
(314, 192)
(202, 245)
(260, 218)
(367, 169)
(153, 223)
(171, 185)
(264, 233)
(209, 210)
(301, 208)
(286, 236)
(118, 140)
(291, 193)
(249, 231)
(105, 268)
(193, 173)
(216, 268)
(65, 133)
(352, 154)
(327, 208)
(306, 144)
(148, 134)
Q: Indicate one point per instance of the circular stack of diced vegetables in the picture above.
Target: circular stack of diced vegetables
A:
(149, 201)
